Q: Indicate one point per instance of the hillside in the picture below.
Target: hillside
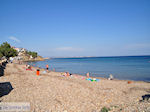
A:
(25, 55)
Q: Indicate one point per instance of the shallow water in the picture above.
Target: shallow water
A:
(124, 67)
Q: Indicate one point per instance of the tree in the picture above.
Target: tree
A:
(7, 51)
(33, 54)
(1, 55)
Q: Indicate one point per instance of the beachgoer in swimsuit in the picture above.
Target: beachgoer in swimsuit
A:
(47, 67)
(88, 75)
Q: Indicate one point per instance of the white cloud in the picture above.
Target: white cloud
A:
(14, 39)
(69, 49)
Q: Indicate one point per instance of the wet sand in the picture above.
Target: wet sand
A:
(52, 92)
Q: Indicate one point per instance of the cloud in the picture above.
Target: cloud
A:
(69, 49)
(14, 39)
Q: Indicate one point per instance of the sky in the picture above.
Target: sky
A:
(66, 28)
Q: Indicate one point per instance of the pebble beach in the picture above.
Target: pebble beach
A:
(52, 92)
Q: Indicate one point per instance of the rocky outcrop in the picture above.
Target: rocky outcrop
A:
(24, 56)
(27, 58)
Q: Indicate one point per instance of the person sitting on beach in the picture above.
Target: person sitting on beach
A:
(63, 74)
(68, 74)
(28, 67)
(110, 77)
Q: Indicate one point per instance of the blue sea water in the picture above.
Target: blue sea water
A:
(123, 67)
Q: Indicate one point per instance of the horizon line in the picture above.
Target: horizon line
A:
(95, 56)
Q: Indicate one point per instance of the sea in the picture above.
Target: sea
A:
(121, 67)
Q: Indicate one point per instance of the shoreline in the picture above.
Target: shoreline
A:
(53, 92)
(135, 69)
(93, 76)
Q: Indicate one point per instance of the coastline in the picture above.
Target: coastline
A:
(116, 79)
(127, 68)
(104, 78)
(53, 92)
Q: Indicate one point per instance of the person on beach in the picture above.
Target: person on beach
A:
(68, 74)
(47, 67)
(88, 75)
(38, 71)
(65, 74)
(11, 59)
(28, 67)
(110, 77)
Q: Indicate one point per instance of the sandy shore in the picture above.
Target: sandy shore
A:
(52, 92)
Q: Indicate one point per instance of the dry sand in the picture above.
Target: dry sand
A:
(52, 92)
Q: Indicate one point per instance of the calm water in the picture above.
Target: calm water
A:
(128, 67)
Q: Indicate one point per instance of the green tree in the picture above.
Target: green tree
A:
(7, 51)
(1, 55)
(33, 54)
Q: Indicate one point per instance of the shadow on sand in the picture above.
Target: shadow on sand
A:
(146, 97)
(5, 88)
(2, 67)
